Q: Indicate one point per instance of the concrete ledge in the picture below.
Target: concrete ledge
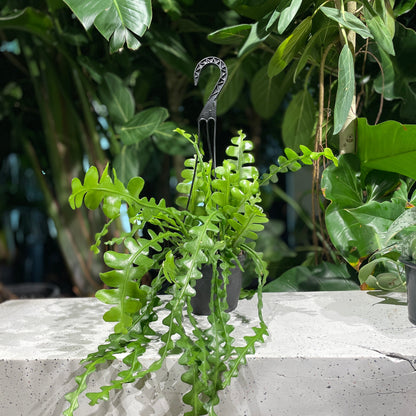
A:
(328, 354)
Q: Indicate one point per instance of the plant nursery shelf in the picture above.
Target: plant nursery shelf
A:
(328, 353)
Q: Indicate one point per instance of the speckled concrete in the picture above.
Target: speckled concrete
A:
(328, 354)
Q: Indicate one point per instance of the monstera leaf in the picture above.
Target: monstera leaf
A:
(119, 21)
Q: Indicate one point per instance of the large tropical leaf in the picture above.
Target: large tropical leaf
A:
(361, 209)
(389, 146)
(119, 21)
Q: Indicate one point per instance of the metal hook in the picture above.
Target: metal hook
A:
(209, 111)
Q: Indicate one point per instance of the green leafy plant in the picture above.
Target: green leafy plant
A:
(370, 218)
(220, 219)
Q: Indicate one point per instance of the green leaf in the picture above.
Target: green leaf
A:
(170, 142)
(267, 93)
(256, 36)
(231, 35)
(117, 20)
(299, 120)
(347, 20)
(403, 7)
(389, 146)
(379, 30)
(353, 204)
(287, 15)
(133, 160)
(325, 35)
(288, 49)
(143, 125)
(346, 88)
(117, 98)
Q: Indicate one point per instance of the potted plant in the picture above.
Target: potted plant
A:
(217, 224)
(384, 269)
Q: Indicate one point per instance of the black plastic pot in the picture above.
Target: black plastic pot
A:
(410, 268)
(200, 302)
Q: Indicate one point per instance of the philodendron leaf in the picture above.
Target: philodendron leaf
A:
(389, 146)
(256, 36)
(119, 21)
(403, 7)
(346, 88)
(299, 120)
(359, 214)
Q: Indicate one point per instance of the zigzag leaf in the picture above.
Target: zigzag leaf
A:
(126, 294)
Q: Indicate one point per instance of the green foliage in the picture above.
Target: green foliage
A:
(389, 146)
(325, 276)
(346, 88)
(119, 21)
(299, 121)
(362, 207)
(220, 216)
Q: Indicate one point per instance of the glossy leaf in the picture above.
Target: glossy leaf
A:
(354, 202)
(288, 49)
(389, 146)
(345, 90)
(256, 36)
(287, 15)
(299, 120)
(119, 21)
(403, 6)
